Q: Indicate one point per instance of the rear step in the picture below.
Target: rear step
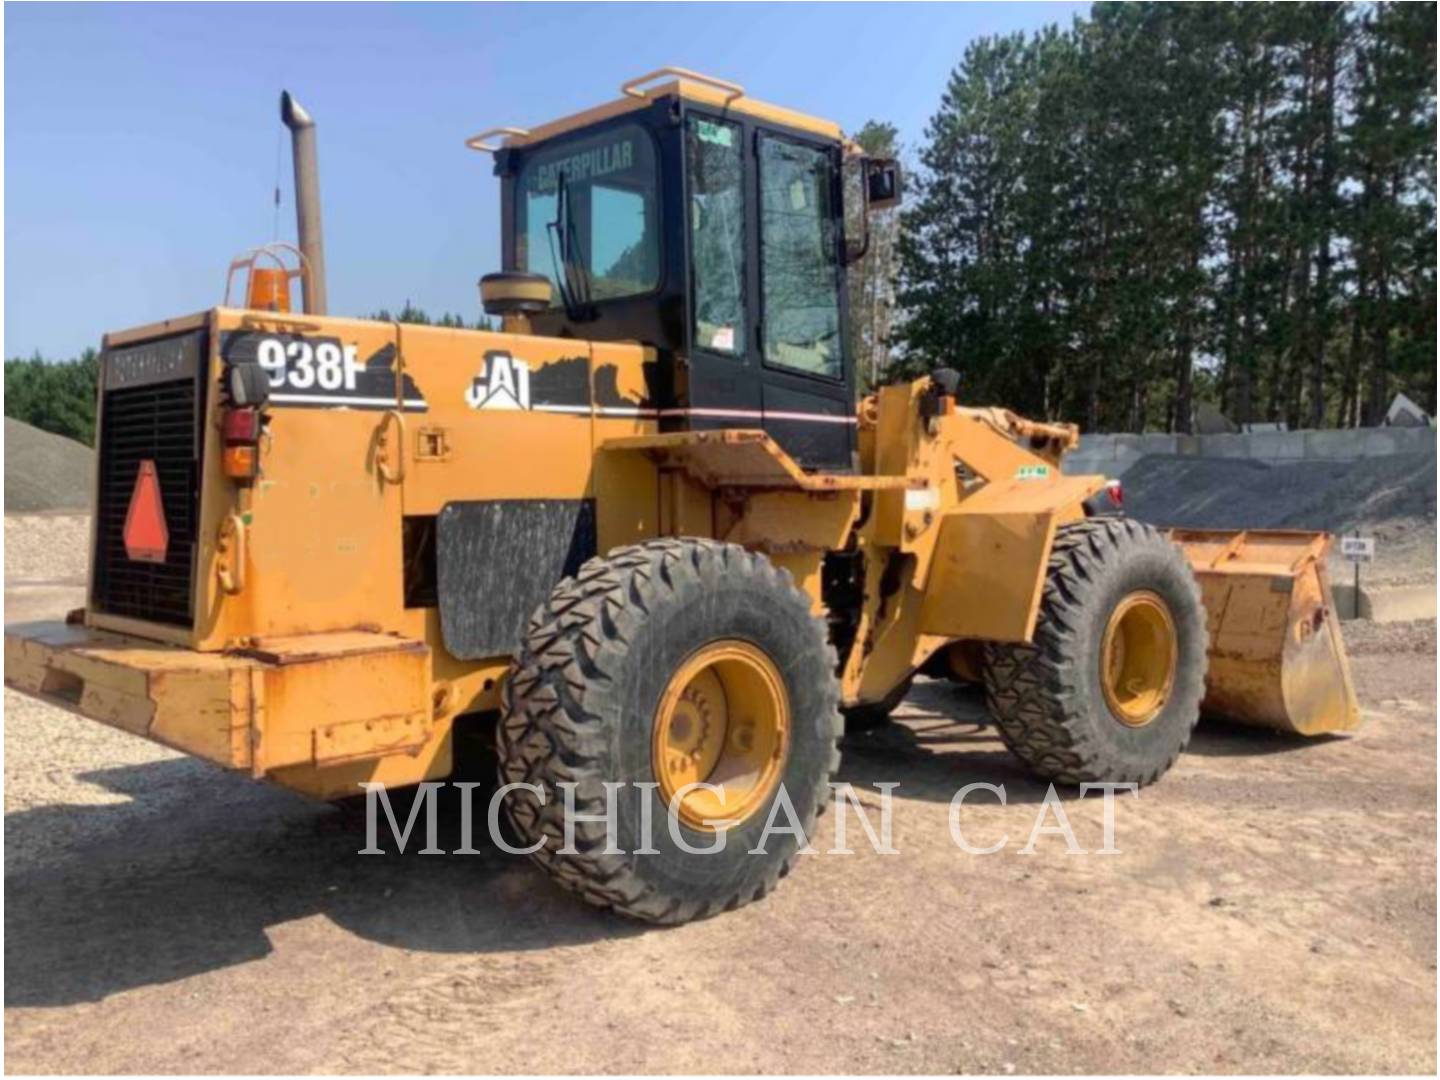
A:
(314, 700)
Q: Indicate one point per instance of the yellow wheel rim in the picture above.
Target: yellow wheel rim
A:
(724, 719)
(1138, 658)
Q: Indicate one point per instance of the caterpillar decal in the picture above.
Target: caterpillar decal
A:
(509, 383)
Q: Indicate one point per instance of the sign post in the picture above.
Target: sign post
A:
(1357, 549)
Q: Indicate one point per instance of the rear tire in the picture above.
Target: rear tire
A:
(1053, 702)
(594, 678)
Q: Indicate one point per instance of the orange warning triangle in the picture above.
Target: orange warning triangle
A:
(147, 537)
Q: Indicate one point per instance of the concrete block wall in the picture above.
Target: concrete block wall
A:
(1112, 455)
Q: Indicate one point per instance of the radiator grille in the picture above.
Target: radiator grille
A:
(157, 422)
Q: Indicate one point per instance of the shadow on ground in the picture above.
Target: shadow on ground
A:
(188, 876)
(1217, 737)
(188, 871)
(942, 741)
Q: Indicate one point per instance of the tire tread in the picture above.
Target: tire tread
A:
(554, 725)
(1036, 693)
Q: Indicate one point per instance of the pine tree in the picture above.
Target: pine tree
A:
(1174, 202)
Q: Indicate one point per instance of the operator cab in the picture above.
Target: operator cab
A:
(711, 226)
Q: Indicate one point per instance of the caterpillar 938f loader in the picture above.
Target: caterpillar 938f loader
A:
(645, 529)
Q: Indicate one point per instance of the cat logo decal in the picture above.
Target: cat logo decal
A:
(503, 383)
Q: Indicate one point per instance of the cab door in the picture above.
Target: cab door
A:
(806, 393)
(723, 382)
(766, 340)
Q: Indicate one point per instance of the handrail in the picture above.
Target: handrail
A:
(230, 568)
(732, 90)
(391, 474)
(477, 142)
(630, 89)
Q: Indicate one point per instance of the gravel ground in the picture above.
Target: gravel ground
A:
(1272, 910)
(46, 549)
(45, 564)
(1365, 638)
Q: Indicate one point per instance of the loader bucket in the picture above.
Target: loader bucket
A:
(1276, 658)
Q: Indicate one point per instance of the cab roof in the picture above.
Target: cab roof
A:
(640, 93)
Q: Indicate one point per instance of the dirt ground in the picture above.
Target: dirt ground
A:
(1272, 910)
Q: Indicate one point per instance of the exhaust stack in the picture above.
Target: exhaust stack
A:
(307, 200)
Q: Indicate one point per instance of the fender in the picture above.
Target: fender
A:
(988, 566)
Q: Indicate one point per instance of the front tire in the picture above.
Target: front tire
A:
(638, 671)
(1110, 688)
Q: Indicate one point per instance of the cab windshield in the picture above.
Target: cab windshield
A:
(593, 201)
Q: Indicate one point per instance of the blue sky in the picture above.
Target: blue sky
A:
(141, 140)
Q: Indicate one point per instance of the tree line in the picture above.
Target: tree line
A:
(1170, 204)
(58, 397)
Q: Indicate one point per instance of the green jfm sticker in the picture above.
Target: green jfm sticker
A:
(1032, 472)
(719, 134)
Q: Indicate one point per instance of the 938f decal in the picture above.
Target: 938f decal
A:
(300, 365)
(322, 372)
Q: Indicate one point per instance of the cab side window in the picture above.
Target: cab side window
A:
(799, 271)
(717, 233)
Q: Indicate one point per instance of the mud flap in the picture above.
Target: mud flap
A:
(497, 562)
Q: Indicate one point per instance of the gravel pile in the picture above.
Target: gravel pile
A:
(1390, 498)
(45, 471)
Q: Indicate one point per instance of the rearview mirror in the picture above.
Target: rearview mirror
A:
(882, 183)
(870, 184)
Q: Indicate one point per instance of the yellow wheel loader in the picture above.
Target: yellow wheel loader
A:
(645, 529)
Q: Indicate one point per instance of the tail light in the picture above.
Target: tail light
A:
(247, 387)
(1116, 493)
(242, 426)
(241, 429)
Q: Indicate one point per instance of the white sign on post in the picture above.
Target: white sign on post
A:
(1358, 549)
